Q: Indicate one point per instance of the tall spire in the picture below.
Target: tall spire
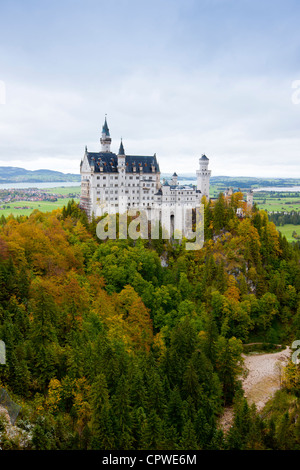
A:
(105, 137)
(121, 149)
(105, 129)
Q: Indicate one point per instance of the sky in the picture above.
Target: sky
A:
(179, 78)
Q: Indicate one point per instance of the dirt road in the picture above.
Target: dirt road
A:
(264, 376)
(262, 379)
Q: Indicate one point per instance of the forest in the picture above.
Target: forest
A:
(283, 218)
(109, 348)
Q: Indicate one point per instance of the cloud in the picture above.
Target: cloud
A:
(175, 78)
(240, 125)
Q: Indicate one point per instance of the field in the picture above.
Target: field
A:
(283, 202)
(43, 206)
(280, 202)
(64, 190)
(288, 229)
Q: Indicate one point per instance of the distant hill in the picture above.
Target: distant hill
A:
(11, 174)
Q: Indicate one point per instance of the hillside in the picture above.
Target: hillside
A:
(109, 348)
(9, 174)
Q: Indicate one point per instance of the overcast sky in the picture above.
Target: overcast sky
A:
(178, 78)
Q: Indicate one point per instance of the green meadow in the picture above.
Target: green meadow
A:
(43, 206)
(64, 190)
(288, 229)
(278, 204)
(283, 202)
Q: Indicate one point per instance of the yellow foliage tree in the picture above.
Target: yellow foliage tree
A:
(54, 395)
(233, 291)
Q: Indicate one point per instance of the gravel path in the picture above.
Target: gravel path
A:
(264, 376)
(262, 379)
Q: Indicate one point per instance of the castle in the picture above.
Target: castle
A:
(112, 183)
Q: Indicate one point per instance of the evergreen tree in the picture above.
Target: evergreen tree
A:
(152, 436)
(188, 439)
(103, 436)
(175, 410)
(122, 415)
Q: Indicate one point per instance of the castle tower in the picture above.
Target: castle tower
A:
(122, 179)
(121, 158)
(250, 198)
(203, 176)
(105, 139)
(174, 180)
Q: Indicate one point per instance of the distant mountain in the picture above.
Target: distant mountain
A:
(11, 174)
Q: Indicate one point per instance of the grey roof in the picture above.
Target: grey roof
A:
(182, 187)
(174, 174)
(109, 161)
(204, 157)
